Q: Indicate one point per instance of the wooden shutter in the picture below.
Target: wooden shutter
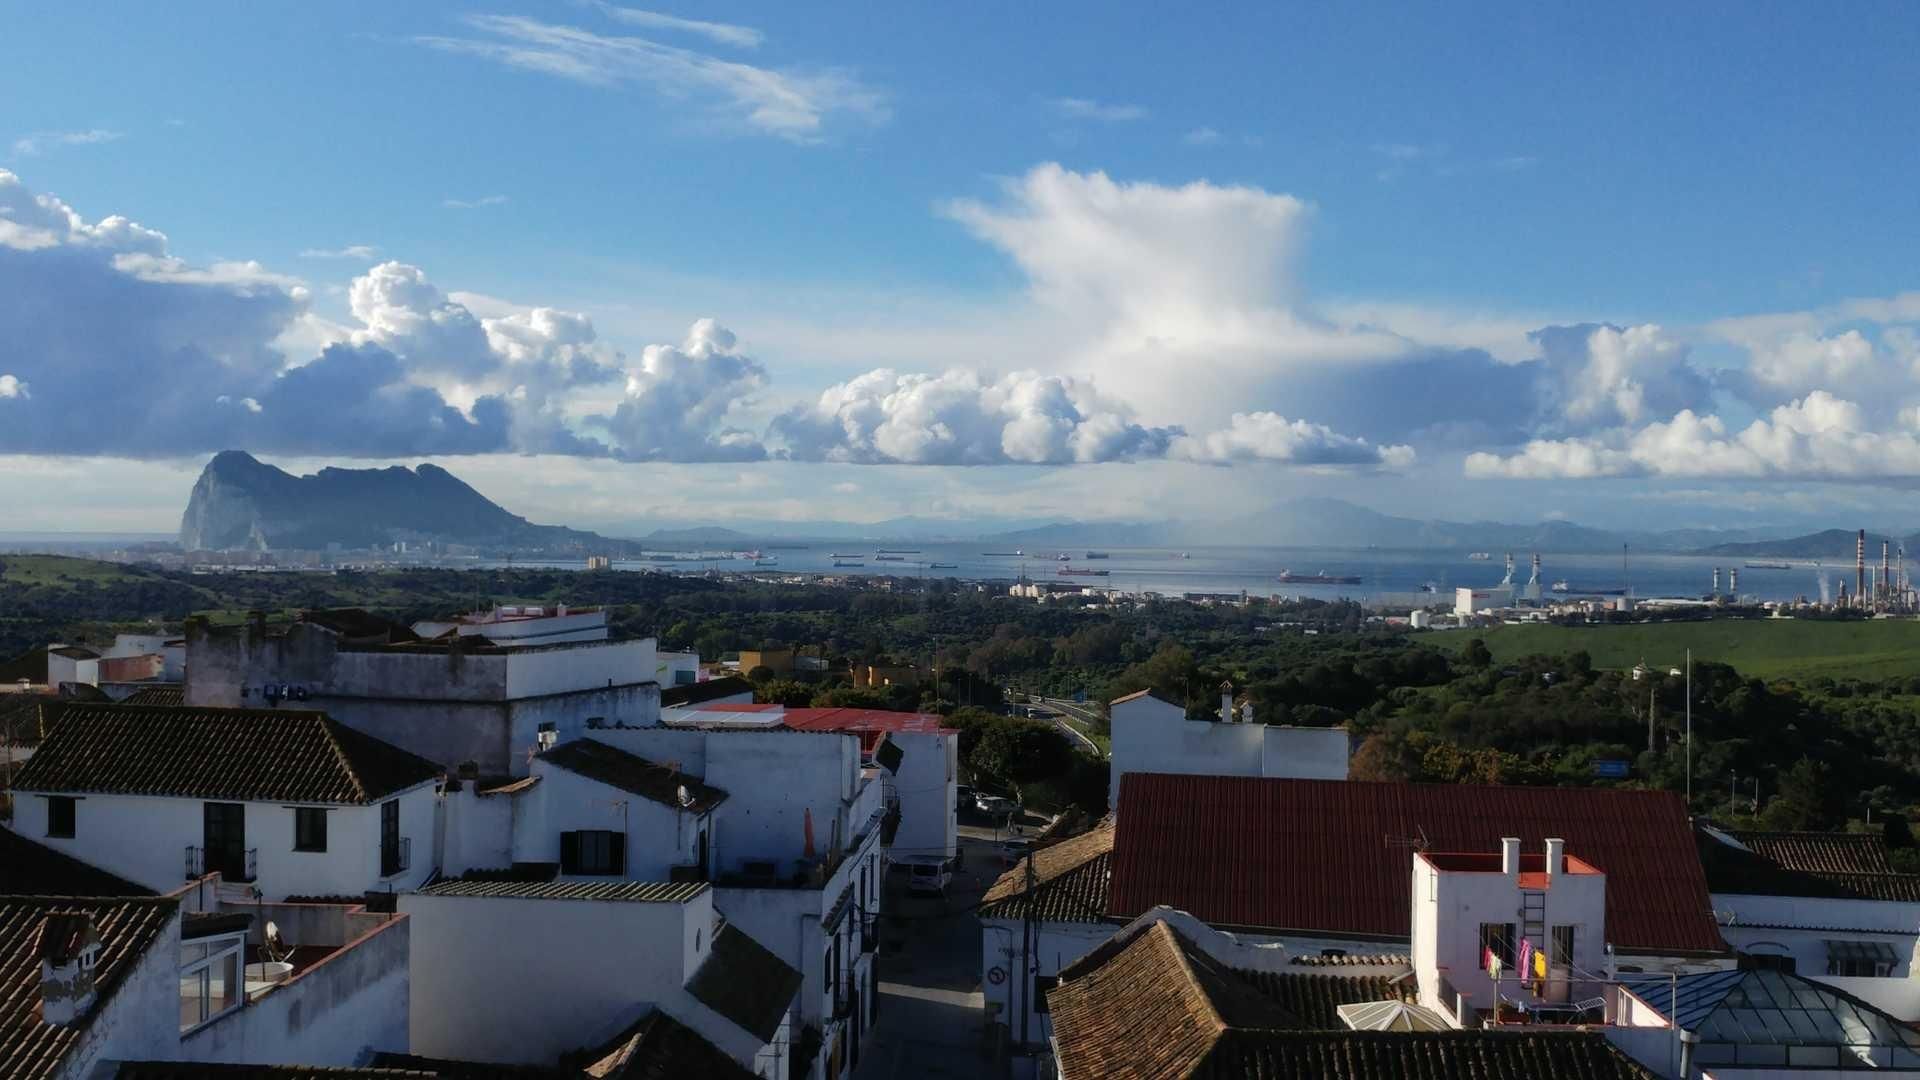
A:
(617, 853)
(569, 852)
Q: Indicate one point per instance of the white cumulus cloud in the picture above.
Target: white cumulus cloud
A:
(1818, 437)
(1266, 436)
(12, 387)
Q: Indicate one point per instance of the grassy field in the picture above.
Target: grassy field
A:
(1763, 648)
(37, 570)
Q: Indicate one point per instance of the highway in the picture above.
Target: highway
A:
(1085, 713)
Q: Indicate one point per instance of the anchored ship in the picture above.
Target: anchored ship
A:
(1288, 577)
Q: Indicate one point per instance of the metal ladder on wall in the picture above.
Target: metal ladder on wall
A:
(1533, 920)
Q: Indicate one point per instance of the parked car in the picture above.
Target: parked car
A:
(994, 805)
(1012, 851)
(962, 798)
(928, 877)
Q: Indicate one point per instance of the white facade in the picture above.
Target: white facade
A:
(1004, 951)
(926, 783)
(1151, 735)
(522, 979)
(171, 650)
(146, 838)
(488, 706)
(529, 625)
(1801, 927)
(659, 838)
(676, 668)
(1455, 896)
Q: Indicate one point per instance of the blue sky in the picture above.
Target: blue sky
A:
(1100, 235)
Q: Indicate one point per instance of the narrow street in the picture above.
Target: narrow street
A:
(931, 1017)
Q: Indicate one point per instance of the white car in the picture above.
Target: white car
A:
(928, 878)
(994, 805)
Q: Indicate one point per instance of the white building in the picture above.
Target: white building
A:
(1152, 734)
(1828, 906)
(785, 824)
(455, 700)
(588, 810)
(918, 760)
(87, 982)
(1540, 916)
(1066, 897)
(287, 802)
(508, 624)
(523, 972)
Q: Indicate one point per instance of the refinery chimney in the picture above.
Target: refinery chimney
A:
(1733, 584)
(1886, 573)
(1716, 583)
(1860, 569)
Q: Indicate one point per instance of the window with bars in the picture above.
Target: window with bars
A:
(309, 828)
(1499, 939)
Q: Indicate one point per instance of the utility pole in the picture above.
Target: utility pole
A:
(1026, 953)
(1689, 730)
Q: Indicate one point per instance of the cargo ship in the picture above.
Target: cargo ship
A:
(840, 564)
(898, 551)
(1479, 556)
(943, 566)
(1288, 577)
(1003, 554)
(1069, 571)
(845, 555)
(766, 562)
(890, 558)
(1563, 587)
(1769, 566)
(1097, 555)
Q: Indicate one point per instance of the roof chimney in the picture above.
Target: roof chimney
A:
(1226, 703)
(1556, 856)
(69, 949)
(1510, 855)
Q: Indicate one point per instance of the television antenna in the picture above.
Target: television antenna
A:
(1417, 843)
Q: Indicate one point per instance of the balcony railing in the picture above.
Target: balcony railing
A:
(842, 1000)
(396, 858)
(199, 864)
(869, 928)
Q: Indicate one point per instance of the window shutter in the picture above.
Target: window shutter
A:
(617, 853)
(569, 852)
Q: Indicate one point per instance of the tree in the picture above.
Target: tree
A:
(1476, 655)
(1016, 751)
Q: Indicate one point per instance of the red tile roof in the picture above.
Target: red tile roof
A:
(1335, 856)
(31, 1048)
(854, 720)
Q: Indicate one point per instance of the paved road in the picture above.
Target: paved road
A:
(932, 1020)
(1083, 713)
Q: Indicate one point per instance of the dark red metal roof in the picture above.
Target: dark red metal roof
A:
(1336, 856)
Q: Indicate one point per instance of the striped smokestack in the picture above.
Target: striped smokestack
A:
(1860, 569)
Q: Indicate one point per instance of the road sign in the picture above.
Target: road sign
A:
(1080, 696)
(1611, 768)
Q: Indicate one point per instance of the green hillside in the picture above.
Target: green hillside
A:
(1763, 648)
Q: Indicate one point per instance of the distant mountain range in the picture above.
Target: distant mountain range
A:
(1335, 523)
(241, 503)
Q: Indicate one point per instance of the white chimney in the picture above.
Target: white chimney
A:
(1556, 856)
(69, 949)
(1226, 703)
(1510, 855)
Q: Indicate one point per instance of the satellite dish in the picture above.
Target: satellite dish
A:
(685, 796)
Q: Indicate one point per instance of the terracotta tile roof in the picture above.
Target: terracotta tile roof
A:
(1730, 869)
(1820, 852)
(168, 694)
(744, 982)
(30, 1048)
(1334, 856)
(695, 693)
(661, 1048)
(1313, 997)
(1072, 881)
(1159, 1007)
(1354, 960)
(21, 719)
(632, 773)
(74, 652)
(247, 755)
(1148, 692)
(639, 892)
(858, 721)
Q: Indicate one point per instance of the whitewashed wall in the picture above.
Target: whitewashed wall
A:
(144, 839)
(926, 782)
(141, 1021)
(522, 981)
(1150, 735)
(658, 837)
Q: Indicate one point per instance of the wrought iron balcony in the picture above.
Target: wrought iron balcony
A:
(231, 865)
